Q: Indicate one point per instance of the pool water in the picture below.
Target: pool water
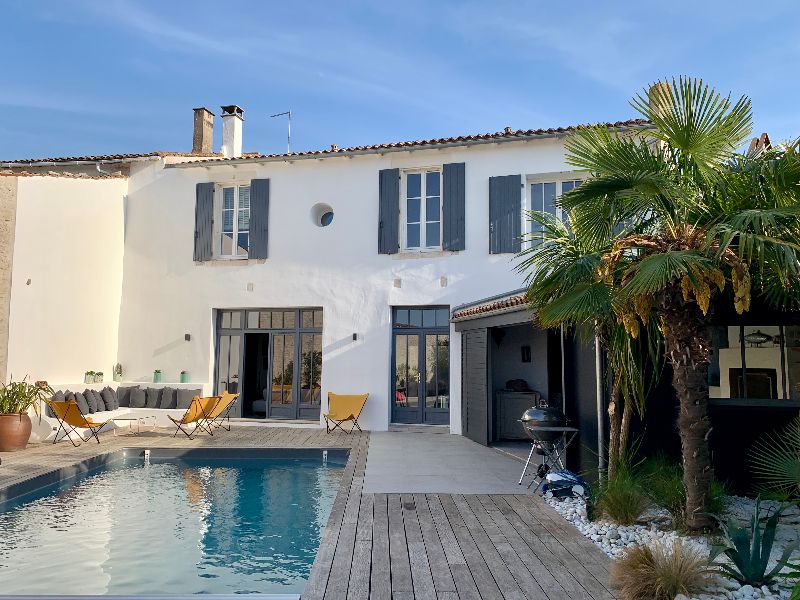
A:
(171, 527)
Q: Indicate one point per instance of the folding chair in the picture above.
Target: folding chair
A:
(196, 414)
(221, 413)
(70, 419)
(343, 408)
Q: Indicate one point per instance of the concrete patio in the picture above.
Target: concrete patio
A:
(418, 515)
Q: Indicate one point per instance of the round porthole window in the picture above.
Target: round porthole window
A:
(322, 214)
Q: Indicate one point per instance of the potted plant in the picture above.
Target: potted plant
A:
(16, 398)
(98, 377)
(88, 377)
(117, 372)
(157, 376)
(184, 376)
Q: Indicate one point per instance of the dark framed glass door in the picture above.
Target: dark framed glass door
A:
(421, 365)
(271, 381)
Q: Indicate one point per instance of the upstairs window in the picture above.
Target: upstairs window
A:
(233, 239)
(421, 210)
(543, 191)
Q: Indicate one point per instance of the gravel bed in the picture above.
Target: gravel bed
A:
(614, 539)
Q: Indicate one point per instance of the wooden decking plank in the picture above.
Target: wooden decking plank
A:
(365, 518)
(542, 574)
(400, 564)
(558, 569)
(380, 575)
(360, 571)
(440, 570)
(480, 571)
(507, 552)
(342, 560)
(452, 551)
(589, 582)
(499, 569)
(465, 584)
(417, 552)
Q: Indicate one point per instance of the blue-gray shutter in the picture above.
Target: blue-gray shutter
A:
(505, 214)
(203, 221)
(389, 211)
(453, 209)
(259, 218)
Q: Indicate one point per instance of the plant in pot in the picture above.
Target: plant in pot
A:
(16, 398)
(98, 377)
(157, 376)
(88, 377)
(184, 376)
(117, 372)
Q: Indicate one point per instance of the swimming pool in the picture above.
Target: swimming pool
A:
(173, 523)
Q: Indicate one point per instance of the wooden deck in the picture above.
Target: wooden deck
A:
(398, 546)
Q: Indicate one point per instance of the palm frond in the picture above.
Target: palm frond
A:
(651, 274)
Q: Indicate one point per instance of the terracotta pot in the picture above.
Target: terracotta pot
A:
(15, 430)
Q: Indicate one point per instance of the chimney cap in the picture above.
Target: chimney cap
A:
(232, 110)
(199, 108)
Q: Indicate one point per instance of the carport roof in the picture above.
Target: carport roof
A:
(494, 305)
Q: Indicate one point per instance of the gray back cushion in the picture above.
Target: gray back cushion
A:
(69, 395)
(58, 397)
(124, 395)
(98, 400)
(83, 403)
(167, 398)
(185, 397)
(153, 397)
(137, 398)
(90, 400)
(110, 398)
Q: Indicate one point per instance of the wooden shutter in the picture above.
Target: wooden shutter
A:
(203, 221)
(453, 209)
(389, 211)
(505, 214)
(259, 218)
(474, 385)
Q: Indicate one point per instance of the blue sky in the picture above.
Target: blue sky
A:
(93, 77)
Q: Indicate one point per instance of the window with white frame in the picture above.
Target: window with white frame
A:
(421, 210)
(542, 195)
(233, 236)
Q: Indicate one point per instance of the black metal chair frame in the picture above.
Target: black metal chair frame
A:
(69, 429)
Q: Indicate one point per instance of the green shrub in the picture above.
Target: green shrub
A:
(660, 572)
(663, 480)
(775, 460)
(748, 548)
(622, 498)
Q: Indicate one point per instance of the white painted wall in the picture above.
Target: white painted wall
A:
(166, 295)
(66, 277)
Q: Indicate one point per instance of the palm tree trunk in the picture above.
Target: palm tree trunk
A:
(625, 428)
(687, 350)
(614, 418)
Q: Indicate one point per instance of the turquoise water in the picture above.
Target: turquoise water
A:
(182, 527)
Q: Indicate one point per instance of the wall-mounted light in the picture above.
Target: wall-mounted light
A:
(187, 337)
(355, 337)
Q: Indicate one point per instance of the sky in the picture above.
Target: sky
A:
(113, 76)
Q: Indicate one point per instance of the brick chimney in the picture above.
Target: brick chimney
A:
(203, 131)
(232, 117)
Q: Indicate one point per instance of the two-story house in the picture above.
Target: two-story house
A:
(286, 276)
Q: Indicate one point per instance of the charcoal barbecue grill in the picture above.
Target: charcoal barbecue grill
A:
(550, 438)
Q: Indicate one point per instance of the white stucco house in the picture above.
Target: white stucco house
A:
(282, 277)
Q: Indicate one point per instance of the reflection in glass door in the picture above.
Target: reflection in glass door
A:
(229, 364)
(421, 365)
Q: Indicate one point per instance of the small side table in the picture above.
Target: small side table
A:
(138, 419)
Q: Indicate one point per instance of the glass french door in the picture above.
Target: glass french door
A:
(421, 366)
(229, 366)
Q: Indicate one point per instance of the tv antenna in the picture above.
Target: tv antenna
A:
(288, 113)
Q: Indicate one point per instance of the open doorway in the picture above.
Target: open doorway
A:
(256, 375)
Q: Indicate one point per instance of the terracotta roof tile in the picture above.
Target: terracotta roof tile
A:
(103, 157)
(506, 135)
(486, 308)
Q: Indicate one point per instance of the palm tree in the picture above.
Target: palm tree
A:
(704, 225)
(560, 264)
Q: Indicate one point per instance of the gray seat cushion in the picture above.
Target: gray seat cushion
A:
(167, 398)
(153, 396)
(83, 403)
(124, 395)
(138, 398)
(110, 398)
(185, 397)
